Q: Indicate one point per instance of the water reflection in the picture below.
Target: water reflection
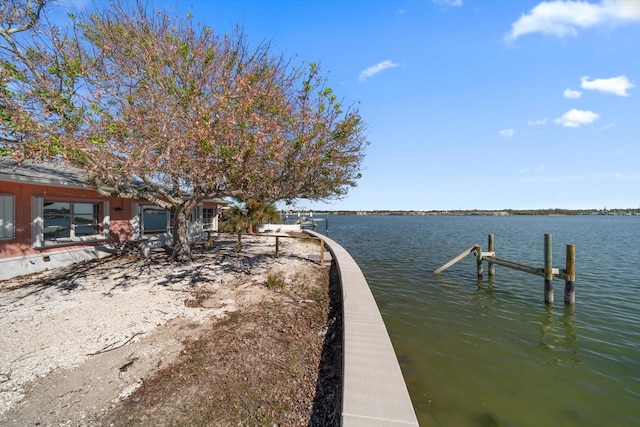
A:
(558, 334)
(567, 319)
(485, 294)
(447, 280)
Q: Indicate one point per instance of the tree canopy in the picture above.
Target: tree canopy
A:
(164, 109)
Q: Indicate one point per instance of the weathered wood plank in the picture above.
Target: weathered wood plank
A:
(515, 265)
(456, 259)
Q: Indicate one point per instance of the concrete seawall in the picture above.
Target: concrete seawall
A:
(374, 393)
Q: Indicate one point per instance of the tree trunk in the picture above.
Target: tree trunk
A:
(180, 231)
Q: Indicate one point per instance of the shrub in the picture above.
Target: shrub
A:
(274, 281)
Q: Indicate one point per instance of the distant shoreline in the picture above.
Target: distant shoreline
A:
(483, 212)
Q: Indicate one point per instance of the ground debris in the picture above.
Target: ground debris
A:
(215, 344)
(266, 365)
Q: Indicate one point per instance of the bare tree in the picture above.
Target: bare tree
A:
(162, 109)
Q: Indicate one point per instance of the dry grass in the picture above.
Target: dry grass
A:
(275, 363)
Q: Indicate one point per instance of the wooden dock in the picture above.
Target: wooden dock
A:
(547, 271)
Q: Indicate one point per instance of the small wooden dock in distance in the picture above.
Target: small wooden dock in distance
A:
(547, 271)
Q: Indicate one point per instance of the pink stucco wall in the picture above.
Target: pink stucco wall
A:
(21, 245)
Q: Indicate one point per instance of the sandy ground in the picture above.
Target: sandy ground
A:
(76, 340)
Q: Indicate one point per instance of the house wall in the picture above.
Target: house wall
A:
(17, 254)
(120, 210)
(21, 255)
(120, 225)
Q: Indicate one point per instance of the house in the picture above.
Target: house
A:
(50, 217)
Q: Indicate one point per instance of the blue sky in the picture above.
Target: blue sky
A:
(470, 104)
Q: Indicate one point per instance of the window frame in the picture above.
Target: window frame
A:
(7, 216)
(100, 221)
(211, 224)
(71, 213)
(143, 226)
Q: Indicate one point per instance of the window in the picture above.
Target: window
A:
(65, 221)
(154, 220)
(7, 216)
(70, 220)
(208, 218)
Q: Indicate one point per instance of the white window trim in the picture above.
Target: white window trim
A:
(37, 223)
(7, 216)
(140, 211)
(213, 226)
(195, 222)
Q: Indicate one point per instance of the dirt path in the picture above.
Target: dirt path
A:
(231, 338)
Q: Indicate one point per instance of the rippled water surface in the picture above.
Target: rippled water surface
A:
(489, 352)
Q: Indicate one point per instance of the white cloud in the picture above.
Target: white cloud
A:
(574, 118)
(615, 85)
(572, 94)
(564, 17)
(379, 67)
(540, 122)
(507, 133)
(450, 3)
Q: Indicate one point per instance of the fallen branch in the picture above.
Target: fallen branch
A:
(109, 348)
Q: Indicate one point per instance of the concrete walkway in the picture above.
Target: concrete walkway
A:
(374, 390)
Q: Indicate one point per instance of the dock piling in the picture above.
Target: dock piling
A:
(491, 266)
(548, 269)
(479, 267)
(570, 276)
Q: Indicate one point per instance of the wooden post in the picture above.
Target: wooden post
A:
(239, 242)
(479, 261)
(570, 281)
(321, 252)
(277, 246)
(548, 270)
(492, 248)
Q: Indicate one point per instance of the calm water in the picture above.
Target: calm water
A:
(489, 352)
